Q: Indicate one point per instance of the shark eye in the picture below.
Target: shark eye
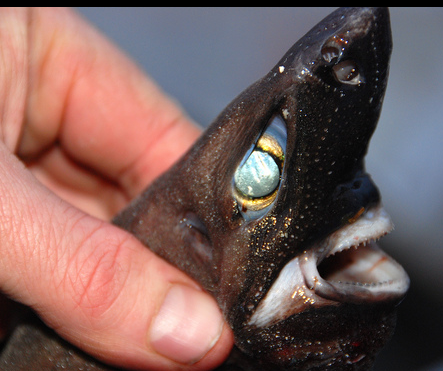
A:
(259, 175)
(347, 72)
(257, 179)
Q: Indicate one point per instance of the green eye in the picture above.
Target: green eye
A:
(257, 179)
(258, 176)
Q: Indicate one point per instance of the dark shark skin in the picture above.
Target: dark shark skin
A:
(328, 91)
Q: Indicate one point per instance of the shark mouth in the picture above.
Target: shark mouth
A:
(347, 267)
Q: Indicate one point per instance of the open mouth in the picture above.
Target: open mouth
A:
(350, 267)
(347, 267)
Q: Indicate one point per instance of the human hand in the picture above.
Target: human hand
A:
(82, 132)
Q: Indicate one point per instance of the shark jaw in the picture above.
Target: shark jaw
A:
(347, 267)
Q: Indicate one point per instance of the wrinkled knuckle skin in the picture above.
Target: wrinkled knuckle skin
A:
(95, 276)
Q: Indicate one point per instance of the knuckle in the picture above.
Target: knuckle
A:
(95, 275)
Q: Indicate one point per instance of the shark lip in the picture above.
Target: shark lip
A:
(346, 267)
(351, 267)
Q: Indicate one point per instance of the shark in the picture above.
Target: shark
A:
(273, 213)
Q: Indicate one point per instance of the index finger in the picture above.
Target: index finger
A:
(89, 98)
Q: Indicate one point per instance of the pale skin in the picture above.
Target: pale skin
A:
(82, 132)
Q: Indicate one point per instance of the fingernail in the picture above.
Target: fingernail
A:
(187, 326)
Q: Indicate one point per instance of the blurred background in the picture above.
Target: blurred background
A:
(204, 57)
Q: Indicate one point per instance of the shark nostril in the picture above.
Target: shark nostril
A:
(347, 72)
(329, 53)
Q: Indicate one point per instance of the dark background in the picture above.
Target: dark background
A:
(204, 57)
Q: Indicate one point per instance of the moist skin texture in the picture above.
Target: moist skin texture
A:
(292, 263)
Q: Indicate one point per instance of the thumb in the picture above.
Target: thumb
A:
(98, 287)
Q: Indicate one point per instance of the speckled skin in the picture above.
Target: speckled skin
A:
(329, 125)
(324, 183)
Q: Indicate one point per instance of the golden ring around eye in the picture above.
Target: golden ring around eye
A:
(269, 144)
(247, 203)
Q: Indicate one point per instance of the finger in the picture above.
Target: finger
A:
(97, 105)
(78, 274)
(98, 286)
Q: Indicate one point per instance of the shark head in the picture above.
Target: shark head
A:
(273, 212)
